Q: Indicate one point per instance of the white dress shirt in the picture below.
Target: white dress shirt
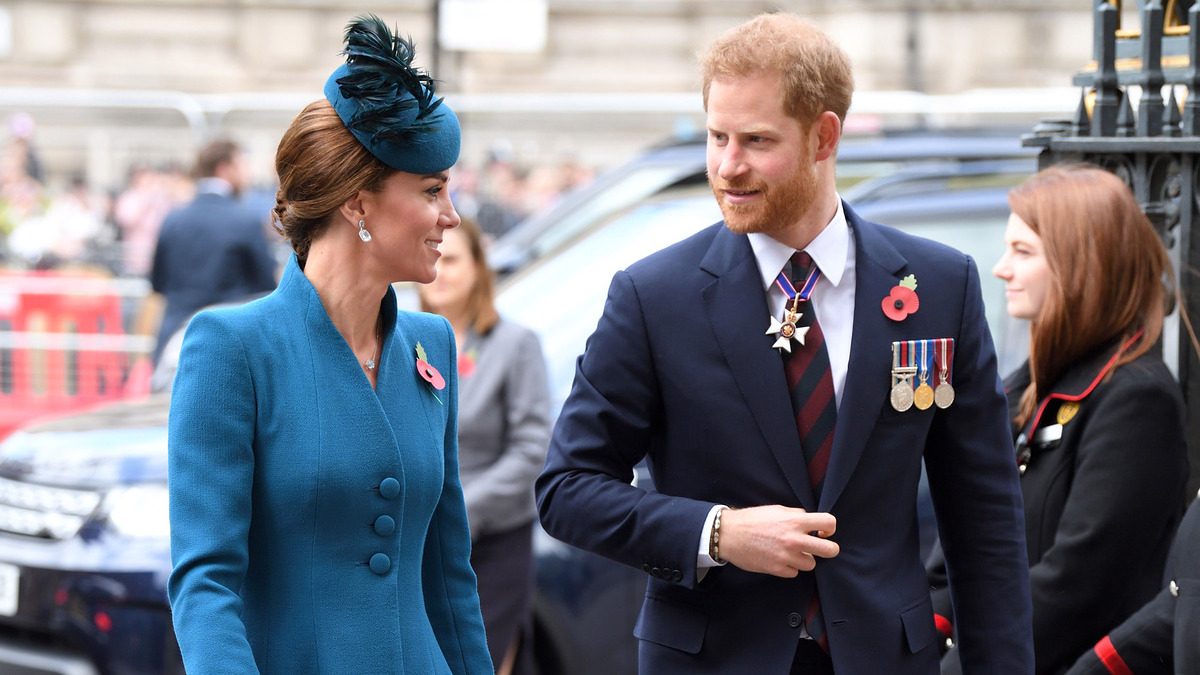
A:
(214, 185)
(832, 298)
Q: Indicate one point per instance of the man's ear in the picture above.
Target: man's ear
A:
(828, 129)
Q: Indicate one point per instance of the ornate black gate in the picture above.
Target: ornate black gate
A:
(1156, 150)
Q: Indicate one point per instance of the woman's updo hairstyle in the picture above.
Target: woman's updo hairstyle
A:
(320, 165)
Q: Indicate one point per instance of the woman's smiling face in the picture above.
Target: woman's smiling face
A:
(407, 220)
(1024, 269)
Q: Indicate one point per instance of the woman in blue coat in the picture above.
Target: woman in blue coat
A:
(317, 519)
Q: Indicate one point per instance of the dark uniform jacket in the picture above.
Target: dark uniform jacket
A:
(1104, 484)
(1163, 637)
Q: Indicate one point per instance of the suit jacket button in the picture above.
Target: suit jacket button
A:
(389, 488)
(646, 568)
(794, 620)
(676, 575)
(384, 526)
(656, 572)
(380, 564)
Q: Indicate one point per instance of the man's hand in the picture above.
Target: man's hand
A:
(776, 539)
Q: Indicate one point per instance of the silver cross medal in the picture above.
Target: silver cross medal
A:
(786, 330)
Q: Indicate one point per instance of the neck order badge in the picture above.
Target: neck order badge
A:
(788, 328)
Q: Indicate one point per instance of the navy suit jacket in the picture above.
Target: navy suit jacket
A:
(679, 372)
(211, 250)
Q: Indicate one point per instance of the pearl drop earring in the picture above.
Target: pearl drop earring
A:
(362, 231)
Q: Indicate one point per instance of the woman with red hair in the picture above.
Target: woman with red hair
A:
(1097, 416)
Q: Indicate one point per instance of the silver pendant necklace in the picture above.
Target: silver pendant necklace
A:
(370, 363)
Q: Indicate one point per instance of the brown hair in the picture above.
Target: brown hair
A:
(213, 155)
(481, 304)
(816, 74)
(1110, 276)
(320, 165)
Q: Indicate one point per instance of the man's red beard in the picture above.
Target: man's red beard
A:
(776, 207)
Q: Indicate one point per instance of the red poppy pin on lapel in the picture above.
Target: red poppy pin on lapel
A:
(429, 373)
(903, 300)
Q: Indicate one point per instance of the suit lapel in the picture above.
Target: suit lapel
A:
(878, 267)
(736, 307)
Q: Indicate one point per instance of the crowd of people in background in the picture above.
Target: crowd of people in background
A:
(54, 221)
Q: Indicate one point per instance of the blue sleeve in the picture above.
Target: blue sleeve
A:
(607, 426)
(211, 471)
(451, 596)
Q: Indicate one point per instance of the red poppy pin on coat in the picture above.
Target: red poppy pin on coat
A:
(903, 300)
(429, 373)
(466, 363)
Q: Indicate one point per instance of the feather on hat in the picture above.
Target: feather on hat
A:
(388, 104)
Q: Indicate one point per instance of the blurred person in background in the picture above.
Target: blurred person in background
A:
(464, 190)
(67, 232)
(21, 192)
(503, 430)
(213, 249)
(543, 185)
(317, 517)
(501, 192)
(1097, 417)
(140, 208)
(21, 127)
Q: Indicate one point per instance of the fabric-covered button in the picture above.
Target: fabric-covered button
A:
(794, 620)
(380, 564)
(384, 526)
(389, 488)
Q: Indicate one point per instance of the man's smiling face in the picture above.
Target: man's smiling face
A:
(761, 161)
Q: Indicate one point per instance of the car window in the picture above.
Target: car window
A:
(562, 296)
(621, 194)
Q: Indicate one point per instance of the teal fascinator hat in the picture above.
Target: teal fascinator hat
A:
(388, 104)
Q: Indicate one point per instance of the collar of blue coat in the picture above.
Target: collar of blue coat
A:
(294, 287)
(424, 153)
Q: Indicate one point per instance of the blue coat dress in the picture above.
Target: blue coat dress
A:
(317, 525)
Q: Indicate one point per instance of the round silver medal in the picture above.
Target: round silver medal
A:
(943, 395)
(902, 395)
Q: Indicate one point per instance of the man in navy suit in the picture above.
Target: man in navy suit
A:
(781, 536)
(213, 249)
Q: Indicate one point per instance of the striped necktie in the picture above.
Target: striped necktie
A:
(811, 384)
